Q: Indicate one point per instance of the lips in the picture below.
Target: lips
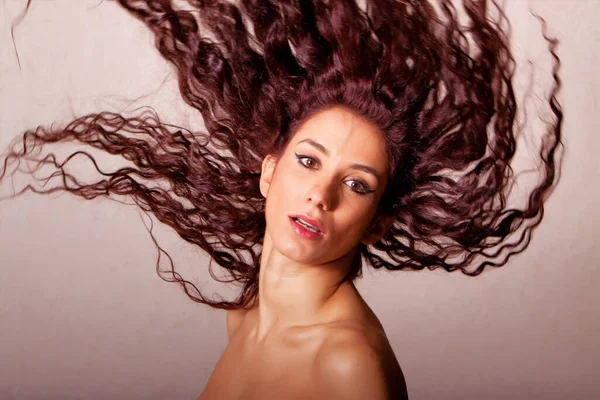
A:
(308, 222)
(307, 232)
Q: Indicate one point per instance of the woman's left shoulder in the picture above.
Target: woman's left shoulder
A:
(357, 353)
(361, 334)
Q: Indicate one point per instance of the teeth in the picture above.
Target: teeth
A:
(306, 225)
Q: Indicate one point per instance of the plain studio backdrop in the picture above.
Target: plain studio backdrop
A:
(83, 314)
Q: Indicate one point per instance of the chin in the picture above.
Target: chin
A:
(297, 251)
(305, 253)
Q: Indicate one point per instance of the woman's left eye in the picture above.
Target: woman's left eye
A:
(359, 187)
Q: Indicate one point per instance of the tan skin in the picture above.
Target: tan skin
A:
(303, 338)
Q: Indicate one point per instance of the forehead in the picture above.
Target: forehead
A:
(347, 134)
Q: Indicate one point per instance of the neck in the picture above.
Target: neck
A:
(292, 294)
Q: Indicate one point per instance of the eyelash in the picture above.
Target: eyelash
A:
(365, 187)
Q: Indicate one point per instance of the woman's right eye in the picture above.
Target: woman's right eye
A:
(306, 161)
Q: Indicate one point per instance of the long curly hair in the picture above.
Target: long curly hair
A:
(441, 92)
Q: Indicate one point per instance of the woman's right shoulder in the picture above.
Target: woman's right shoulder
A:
(236, 317)
(234, 320)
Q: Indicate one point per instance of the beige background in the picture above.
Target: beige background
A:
(84, 315)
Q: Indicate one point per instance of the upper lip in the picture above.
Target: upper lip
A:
(309, 220)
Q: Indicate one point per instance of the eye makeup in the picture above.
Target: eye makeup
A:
(307, 162)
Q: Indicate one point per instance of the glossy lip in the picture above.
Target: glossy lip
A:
(309, 220)
(303, 232)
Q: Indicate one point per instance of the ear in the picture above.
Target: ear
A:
(266, 174)
(378, 227)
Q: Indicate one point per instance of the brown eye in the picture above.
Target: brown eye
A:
(306, 161)
(359, 187)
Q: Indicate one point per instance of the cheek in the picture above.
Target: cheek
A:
(287, 185)
(351, 226)
(282, 196)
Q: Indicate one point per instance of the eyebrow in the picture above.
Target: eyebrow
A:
(360, 167)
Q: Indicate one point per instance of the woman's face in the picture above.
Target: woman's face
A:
(331, 175)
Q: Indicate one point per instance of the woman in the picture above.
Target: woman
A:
(321, 194)
(334, 135)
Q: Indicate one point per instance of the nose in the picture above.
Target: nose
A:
(322, 196)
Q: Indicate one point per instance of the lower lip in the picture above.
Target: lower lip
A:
(303, 232)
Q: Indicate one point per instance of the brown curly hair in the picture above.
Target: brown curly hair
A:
(441, 92)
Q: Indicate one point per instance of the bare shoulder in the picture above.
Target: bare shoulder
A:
(357, 362)
(236, 316)
(234, 320)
